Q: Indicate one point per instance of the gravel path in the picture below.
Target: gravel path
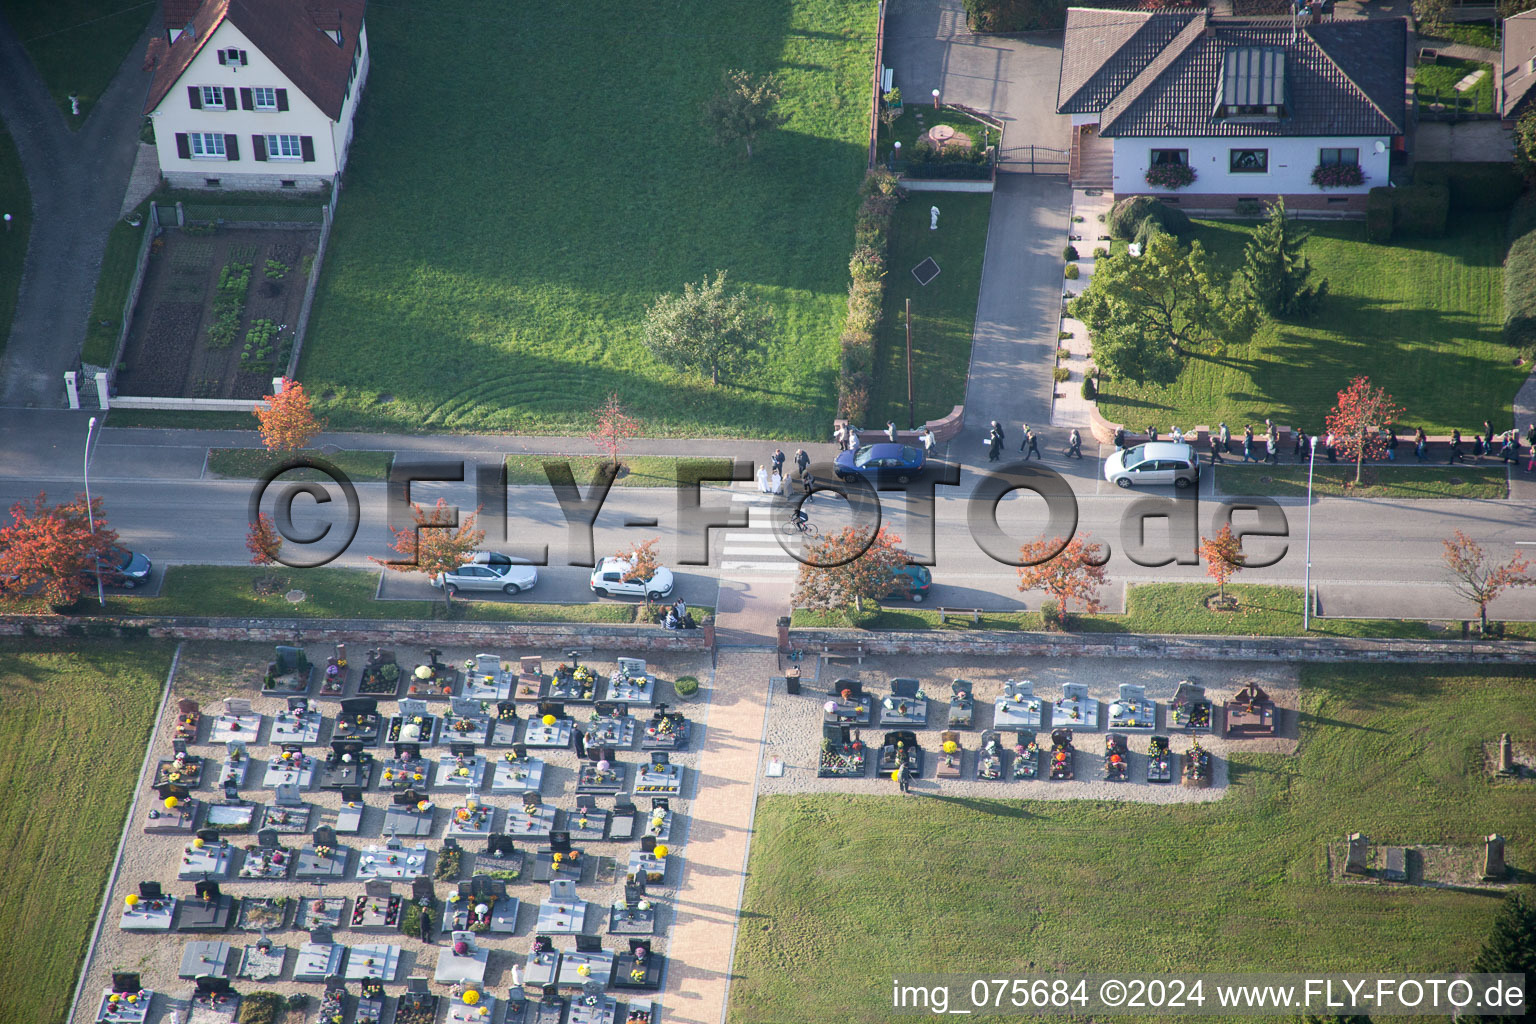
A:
(208, 673)
(794, 724)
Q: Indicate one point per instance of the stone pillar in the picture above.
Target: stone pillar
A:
(277, 385)
(181, 215)
(1493, 857)
(1359, 853)
(783, 633)
(1506, 755)
(72, 389)
(103, 391)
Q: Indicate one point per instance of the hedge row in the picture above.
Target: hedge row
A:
(1015, 15)
(1474, 187)
(1520, 276)
(866, 295)
(1413, 211)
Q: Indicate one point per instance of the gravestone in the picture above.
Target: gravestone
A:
(1359, 853)
(1397, 864)
(1506, 755)
(464, 707)
(1493, 856)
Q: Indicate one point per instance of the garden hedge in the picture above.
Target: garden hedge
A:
(866, 293)
(1420, 211)
(1378, 215)
(1015, 15)
(1126, 217)
(1520, 277)
(1474, 187)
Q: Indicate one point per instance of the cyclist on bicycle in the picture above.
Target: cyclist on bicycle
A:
(799, 518)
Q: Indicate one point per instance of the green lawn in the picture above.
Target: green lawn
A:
(1421, 318)
(1436, 83)
(1023, 888)
(77, 45)
(181, 419)
(227, 592)
(1290, 480)
(1473, 33)
(643, 470)
(1170, 608)
(15, 199)
(249, 463)
(117, 266)
(75, 719)
(515, 262)
(907, 129)
(943, 311)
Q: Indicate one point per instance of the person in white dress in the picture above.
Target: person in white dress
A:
(762, 479)
(777, 483)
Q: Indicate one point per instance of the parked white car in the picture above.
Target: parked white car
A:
(487, 570)
(608, 581)
(1156, 462)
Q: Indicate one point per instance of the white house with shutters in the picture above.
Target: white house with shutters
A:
(257, 94)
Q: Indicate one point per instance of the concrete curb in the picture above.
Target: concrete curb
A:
(122, 839)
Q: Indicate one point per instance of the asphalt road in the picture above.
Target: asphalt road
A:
(1369, 552)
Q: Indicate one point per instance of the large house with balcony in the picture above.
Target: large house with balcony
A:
(1208, 113)
(256, 94)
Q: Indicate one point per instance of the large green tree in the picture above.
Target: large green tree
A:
(1275, 274)
(707, 330)
(744, 108)
(1146, 312)
(1511, 947)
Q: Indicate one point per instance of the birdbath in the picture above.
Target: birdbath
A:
(941, 133)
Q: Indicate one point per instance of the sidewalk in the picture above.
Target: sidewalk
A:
(703, 940)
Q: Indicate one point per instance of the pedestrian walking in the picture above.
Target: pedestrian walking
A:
(1391, 444)
(802, 460)
(926, 436)
(1455, 455)
(1479, 446)
(1487, 429)
(890, 431)
(1074, 445)
(1226, 440)
(1248, 442)
(1151, 433)
(1299, 449)
(1514, 447)
(1032, 446)
(904, 778)
(994, 447)
(1530, 435)
(1215, 449)
(778, 460)
(1420, 445)
(1269, 426)
(997, 432)
(808, 483)
(426, 925)
(1331, 446)
(1271, 449)
(1120, 438)
(853, 439)
(762, 479)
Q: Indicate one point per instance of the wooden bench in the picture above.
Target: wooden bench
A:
(974, 613)
(846, 653)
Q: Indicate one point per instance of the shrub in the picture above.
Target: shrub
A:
(1337, 175)
(872, 228)
(1125, 217)
(1050, 615)
(1015, 15)
(1420, 210)
(1474, 187)
(1520, 277)
(881, 182)
(261, 1008)
(1378, 215)
(1170, 175)
(1247, 208)
(1069, 253)
(1060, 374)
(298, 1001)
(685, 686)
(1090, 392)
(1063, 353)
(1099, 252)
(866, 264)
(1063, 335)
(1072, 272)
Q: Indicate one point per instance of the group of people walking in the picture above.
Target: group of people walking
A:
(771, 478)
(1029, 443)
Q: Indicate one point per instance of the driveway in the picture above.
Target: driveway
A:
(77, 181)
(1012, 78)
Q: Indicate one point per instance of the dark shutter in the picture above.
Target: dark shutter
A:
(230, 103)
(195, 97)
(247, 101)
(259, 147)
(282, 99)
(232, 147)
(183, 146)
(307, 147)
(242, 57)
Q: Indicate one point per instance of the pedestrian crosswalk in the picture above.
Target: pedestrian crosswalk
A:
(757, 549)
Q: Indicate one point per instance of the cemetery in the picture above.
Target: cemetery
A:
(406, 890)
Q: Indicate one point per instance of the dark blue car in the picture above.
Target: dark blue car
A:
(882, 463)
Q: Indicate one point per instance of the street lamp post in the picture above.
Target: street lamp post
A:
(90, 511)
(1306, 588)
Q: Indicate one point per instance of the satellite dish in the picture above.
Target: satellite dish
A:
(1381, 147)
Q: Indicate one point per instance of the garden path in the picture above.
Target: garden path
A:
(77, 180)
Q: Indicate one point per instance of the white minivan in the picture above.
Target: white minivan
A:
(1156, 462)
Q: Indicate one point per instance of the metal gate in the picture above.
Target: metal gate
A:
(1033, 160)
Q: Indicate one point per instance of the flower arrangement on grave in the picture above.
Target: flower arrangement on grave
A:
(461, 948)
(471, 997)
(171, 803)
(637, 974)
(846, 694)
(549, 720)
(539, 945)
(132, 899)
(660, 852)
(508, 713)
(640, 1016)
(584, 970)
(462, 725)
(583, 674)
(950, 746)
(324, 852)
(423, 672)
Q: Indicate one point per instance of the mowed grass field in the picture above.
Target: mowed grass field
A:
(844, 893)
(74, 720)
(1419, 317)
(77, 45)
(526, 179)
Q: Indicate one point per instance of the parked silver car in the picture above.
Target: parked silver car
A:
(1156, 462)
(487, 570)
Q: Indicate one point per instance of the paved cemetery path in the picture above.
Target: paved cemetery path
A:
(703, 942)
(77, 181)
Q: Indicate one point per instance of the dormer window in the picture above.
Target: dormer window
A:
(335, 34)
(232, 57)
(1252, 83)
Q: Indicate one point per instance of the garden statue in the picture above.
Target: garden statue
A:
(933, 218)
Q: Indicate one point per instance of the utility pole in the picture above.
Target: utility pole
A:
(911, 409)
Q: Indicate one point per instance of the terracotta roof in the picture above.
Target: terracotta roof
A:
(1106, 49)
(179, 12)
(155, 53)
(1341, 78)
(286, 32)
(1515, 75)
